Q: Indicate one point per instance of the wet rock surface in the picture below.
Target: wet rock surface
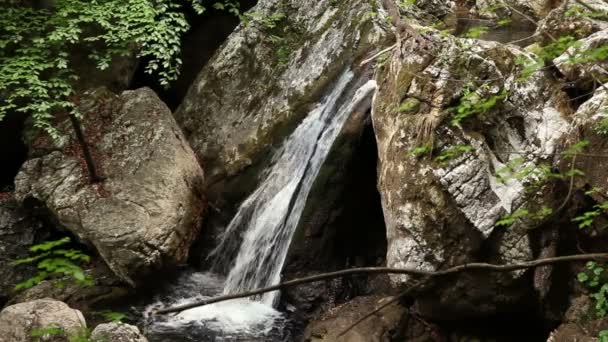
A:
(275, 83)
(587, 126)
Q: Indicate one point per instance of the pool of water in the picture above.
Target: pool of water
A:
(234, 320)
(517, 32)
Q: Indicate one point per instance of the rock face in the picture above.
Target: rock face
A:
(117, 332)
(585, 74)
(498, 9)
(441, 205)
(275, 80)
(22, 322)
(559, 23)
(147, 211)
(18, 231)
(591, 124)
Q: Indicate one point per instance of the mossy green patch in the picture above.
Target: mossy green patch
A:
(409, 106)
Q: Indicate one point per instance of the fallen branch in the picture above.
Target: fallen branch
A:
(388, 270)
(378, 54)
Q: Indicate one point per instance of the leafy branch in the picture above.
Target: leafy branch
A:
(52, 259)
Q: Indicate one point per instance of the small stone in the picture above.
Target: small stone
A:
(21, 322)
(117, 332)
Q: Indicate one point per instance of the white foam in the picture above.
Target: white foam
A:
(235, 316)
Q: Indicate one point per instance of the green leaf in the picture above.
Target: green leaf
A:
(475, 32)
(508, 220)
(113, 316)
(48, 245)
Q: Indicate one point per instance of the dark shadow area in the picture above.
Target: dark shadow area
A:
(206, 35)
(521, 327)
(14, 151)
(343, 224)
(577, 95)
(361, 234)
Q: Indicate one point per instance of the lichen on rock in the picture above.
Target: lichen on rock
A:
(442, 212)
(147, 211)
(23, 322)
(255, 89)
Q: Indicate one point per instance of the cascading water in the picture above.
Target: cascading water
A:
(273, 211)
(268, 218)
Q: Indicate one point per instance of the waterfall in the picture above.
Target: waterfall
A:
(267, 219)
(272, 212)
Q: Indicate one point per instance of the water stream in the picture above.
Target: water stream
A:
(267, 220)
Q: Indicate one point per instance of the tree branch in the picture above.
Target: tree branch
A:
(86, 152)
(388, 270)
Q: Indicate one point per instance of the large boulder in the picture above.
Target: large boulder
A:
(591, 124)
(146, 212)
(45, 319)
(264, 78)
(441, 194)
(586, 63)
(117, 332)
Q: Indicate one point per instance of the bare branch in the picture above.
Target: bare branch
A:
(388, 270)
(378, 54)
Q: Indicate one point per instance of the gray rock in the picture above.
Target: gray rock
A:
(20, 322)
(274, 81)
(117, 332)
(440, 214)
(587, 125)
(496, 9)
(146, 213)
(437, 8)
(584, 74)
(560, 21)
